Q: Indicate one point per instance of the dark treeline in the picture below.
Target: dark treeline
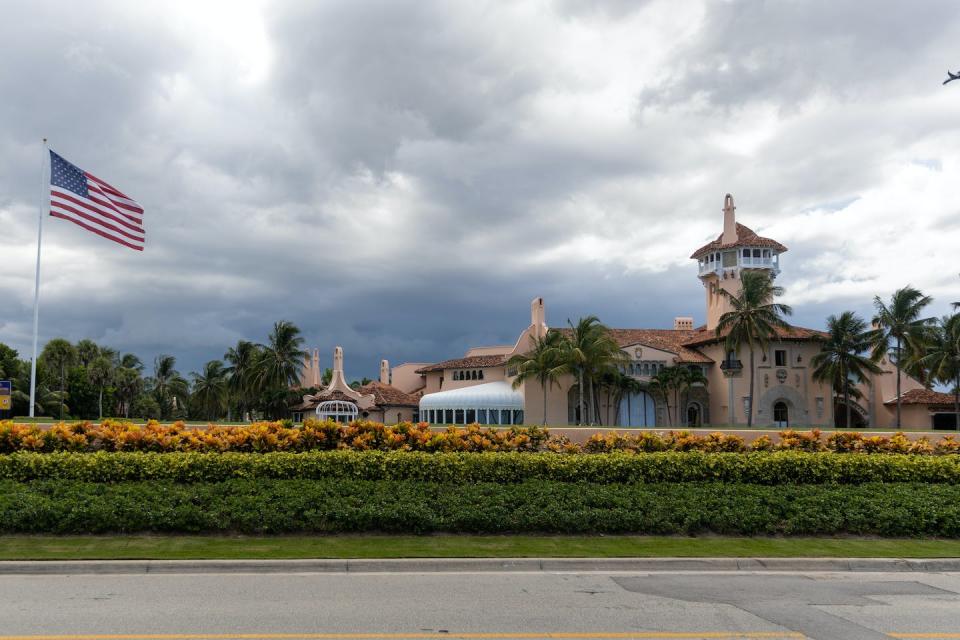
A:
(89, 381)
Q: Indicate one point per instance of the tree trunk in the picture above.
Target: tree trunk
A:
(898, 383)
(581, 409)
(629, 411)
(100, 403)
(956, 401)
(544, 404)
(750, 395)
(846, 401)
(61, 391)
(595, 396)
(590, 403)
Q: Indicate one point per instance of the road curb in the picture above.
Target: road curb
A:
(460, 565)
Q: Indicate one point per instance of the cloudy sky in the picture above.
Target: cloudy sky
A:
(402, 178)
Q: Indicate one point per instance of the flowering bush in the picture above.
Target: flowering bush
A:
(365, 435)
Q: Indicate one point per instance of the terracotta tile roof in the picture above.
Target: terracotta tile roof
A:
(746, 237)
(312, 403)
(702, 335)
(473, 362)
(672, 340)
(923, 396)
(389, 396)
(384, 396)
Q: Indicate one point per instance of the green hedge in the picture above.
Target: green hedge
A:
(340, 505)
(786, 467)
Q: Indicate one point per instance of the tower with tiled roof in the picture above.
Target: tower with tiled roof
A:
(722, 261)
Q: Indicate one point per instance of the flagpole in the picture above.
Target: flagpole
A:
(44, 190)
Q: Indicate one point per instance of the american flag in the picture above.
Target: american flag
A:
(91, 203)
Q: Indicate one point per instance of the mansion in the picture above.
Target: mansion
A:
(477, 387)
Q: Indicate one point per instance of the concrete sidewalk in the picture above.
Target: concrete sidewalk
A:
(458, 565)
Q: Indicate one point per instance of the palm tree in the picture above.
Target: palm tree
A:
(130, 361)
(842, 360)
(590, 350)
(943, 357)
(242, 361)
(127, 381)
(686, 377)
(627, 386)
(754, 319)
(210, 389)
(545, 364)
(128, 385)
(59, 355)
(661, 384)
(901, 323)
(100, 372)
(282, 358)
(169, 387)
(87, 351)
(43, 403)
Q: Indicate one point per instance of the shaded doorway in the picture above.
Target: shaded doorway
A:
(781, 415)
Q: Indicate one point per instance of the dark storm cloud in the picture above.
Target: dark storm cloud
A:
(402, 178)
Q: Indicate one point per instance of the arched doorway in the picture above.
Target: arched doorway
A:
(694, 415)
(637, 410)
(781, 415)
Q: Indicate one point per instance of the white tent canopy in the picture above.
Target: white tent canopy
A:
(489, 403)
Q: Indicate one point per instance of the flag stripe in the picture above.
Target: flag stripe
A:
(107, 205)
(96, 219)
(99, 210)
(114, 200)
(114, 196)
(92, 229)
(133, 219)
(113, 190)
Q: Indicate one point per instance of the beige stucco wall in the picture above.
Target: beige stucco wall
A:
(406, 378)
(808, 402)
(885, 388)
(391, 415)
(913, 415)
(490, 374)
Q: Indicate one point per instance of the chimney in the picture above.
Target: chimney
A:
(538, 318)
(384, 372)
(683, 323)
(729, 221)
(315, 369)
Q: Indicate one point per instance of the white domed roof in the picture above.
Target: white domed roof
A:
(491, 395)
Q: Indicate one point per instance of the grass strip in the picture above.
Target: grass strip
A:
(153, 547)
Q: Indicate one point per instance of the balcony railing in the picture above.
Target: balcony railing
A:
(717, 267)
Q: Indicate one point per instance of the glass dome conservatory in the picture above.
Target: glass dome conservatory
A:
(337, 410)
(490, 403)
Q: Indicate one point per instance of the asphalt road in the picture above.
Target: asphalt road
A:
(828, 606)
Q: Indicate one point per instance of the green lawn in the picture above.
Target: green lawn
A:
(447, 546)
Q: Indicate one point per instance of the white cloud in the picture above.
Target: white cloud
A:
(404, 177)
